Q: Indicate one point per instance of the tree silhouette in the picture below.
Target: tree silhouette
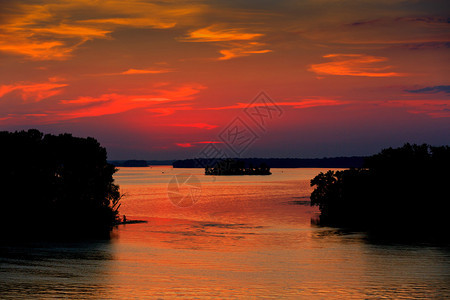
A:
(398, 190)
(60, 186)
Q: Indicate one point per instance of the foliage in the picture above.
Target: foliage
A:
(403, 188)
(56, 185)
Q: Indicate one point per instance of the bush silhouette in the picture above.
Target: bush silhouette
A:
(403, 190)
(59, 186)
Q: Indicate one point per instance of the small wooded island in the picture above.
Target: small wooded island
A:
(56, 187)
(236, 167)
(403, 193)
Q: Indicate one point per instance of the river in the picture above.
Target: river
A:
(223, 237)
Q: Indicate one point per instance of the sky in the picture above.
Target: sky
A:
(181, 79)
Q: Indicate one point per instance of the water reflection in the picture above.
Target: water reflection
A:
(243, 239)
(46, 270)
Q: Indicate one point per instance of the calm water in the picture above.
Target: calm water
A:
(245, 237)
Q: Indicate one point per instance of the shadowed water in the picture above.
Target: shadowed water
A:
(245, 237)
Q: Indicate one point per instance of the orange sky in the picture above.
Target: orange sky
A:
(156, 80)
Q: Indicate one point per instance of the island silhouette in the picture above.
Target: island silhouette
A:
(236, 167)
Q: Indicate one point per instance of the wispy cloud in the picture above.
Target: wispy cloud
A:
(243, 50)
(385, 31)
(53, 30)
(170, 109)
(216, 34)
(107, 104)
(166, 111)
(431, 90)
(184, 145)
(193, 144)
(307, 103)
(354, 65)
(133, 71)
(40, 33)
(432, 108)
(69, 30)
(144, 71)
(56, 110)
(23, 44)
(132, 22)
(236, 41)
(34, 92)
(196, 125)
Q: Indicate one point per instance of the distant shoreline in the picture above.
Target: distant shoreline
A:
(326, 162)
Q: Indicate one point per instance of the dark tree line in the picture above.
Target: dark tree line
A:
(326, 162)
(59, 186)
(236, 167)
(398, 191)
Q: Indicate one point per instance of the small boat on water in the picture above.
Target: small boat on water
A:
(124, 221)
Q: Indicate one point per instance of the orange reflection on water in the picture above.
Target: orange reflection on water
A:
(246, 237)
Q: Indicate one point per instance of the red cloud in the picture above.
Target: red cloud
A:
(116, 103)
(191, 144)
(184, 145)
(33, 91)
(353, 65)
(166, 111)
(196, 125)
(87, 106)
(307, 103)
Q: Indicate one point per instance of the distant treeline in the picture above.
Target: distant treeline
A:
(140, 163)
(400, 193)
(56, 186)
(235, 167)
(331, 162)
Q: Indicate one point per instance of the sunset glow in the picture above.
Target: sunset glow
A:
(155, 80)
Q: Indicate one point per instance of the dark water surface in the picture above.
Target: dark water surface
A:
(245, 237)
